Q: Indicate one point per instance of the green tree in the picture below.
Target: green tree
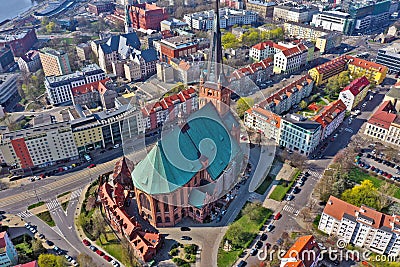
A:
(229, 40)
(303, 104)
(236, 235)
(37, 248)
(85, 260)
(254, 211)
(363, 194)
(343, 78)
(50, 260)
(50, 27)
(127, 254)
(243, 104)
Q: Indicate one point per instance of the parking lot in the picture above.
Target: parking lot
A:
(377, 164)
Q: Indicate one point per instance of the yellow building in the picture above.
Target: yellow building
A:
(323, 72)
(88, 137)
(361, 67)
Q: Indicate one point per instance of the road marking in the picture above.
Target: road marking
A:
(25, 214)
(291, 209)
(53, 205)
(76, 194)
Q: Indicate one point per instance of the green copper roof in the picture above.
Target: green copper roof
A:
(176, 158)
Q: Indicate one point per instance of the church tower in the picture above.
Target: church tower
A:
(128, 22)
(212, 88)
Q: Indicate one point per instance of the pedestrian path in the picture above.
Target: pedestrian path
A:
(25, 214)
(53, 205)
(291, 209)
(76, 194)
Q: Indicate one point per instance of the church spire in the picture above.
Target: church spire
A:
(214, 69)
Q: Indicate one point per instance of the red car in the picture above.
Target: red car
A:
(277, 216)
(85, 242)
(92, 166)
(107, 258)
(42, 175)
(99, 252)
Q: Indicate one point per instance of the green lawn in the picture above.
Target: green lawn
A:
(358, 176)
(112, 245)
(243, 225)
(263, 187)
(41, 203)
(281, 190)
(46, 217)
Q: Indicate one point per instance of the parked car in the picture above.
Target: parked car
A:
(49, 243)
(242, 263)
(93, 248)
(92, 166)
(86, 242)
(270, 227)
(69, 258)
(263, 237)
(185, 237)
(277, 216)
(184, 228)
(107, 258)
(289, 197)
(253, 251)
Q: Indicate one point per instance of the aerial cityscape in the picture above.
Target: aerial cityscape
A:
(223, 133)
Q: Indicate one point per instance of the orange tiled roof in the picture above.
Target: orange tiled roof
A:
(269, 116)
(294, 264)
(90, 87)
(384, 116)
(365, 64)
(333, 64)
(330, 112)
(300, 250)
(263, 45)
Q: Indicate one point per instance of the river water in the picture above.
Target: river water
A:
(12, 8)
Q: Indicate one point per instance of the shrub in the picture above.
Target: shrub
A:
(174, 252)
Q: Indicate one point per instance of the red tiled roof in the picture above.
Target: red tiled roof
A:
(299, 49)
(2, 239)
(251, 69)
(300, 250)
(356, 86)
(294, 264)
(29, 264)
(90, 87)
(271, 117)
(330, 112)
(365, 64)
(333, 64)
(263, 45)
(384, 116)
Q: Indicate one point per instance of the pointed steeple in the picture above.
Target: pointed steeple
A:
(214, 69)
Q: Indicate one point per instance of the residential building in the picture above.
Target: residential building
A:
(236, 4)
(20, 41)
(299, 134)
(94, 94)
(40, 146)
(292, 59)
(144, 243)
(263, 50)
(185, 71)
(58, 88)
(303, 31)
(8, 253)
(155, 114)
(87, 134)
(83, 51)
(331, 117)
(305, 252)
(228, 17)
(374, 72)
(30, 62)
(394, 95)
(117, 47)
(323, 72)
(328, 42)
(54, 63)
(384, 124)
(28, 264)
(100, 7)
(354, 93)
(390, 57)
(6, 59)
(263, 121)
(177, 47)
(287, 97)
(147, 16)
(263, 8)
(165, 72)
(9, 96)
(172, 24)
(300, 14)
(249, 78)
(361, 226)
(334, 21)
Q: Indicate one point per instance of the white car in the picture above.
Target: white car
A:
(270, 227)
(116, 146)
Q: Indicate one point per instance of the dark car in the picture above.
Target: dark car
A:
(93, 248)
(264, 237)
(184, 228)
(49, 243)
(242, 264)
(253, 252)
(296, 190)
(185, 237)
(259, 244)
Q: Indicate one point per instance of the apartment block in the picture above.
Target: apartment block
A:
(54, 63)
(94, 94)
(147, 16)
(177, 47)
(328, 42)
(8, 253)
(263, 50)
(331, 117)
(354, 93)
(83, 51)
(40, 146)
(290, 95)
(305, 252)
(384, 124)
(6, 59)
(263, 8)
(361, 226)
(374, 72)
(59, 87)
(20, 41)
(263, 121)
(300, 14)
(390, 57)
(292, 59)
(30, 62)
(299, 134)
(228, 17)
(323, 72)
(9, 96)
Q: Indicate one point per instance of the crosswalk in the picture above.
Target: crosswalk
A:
(291, 209)
(53, 205)
(76, 194)
(315, 173)
(25, 214)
